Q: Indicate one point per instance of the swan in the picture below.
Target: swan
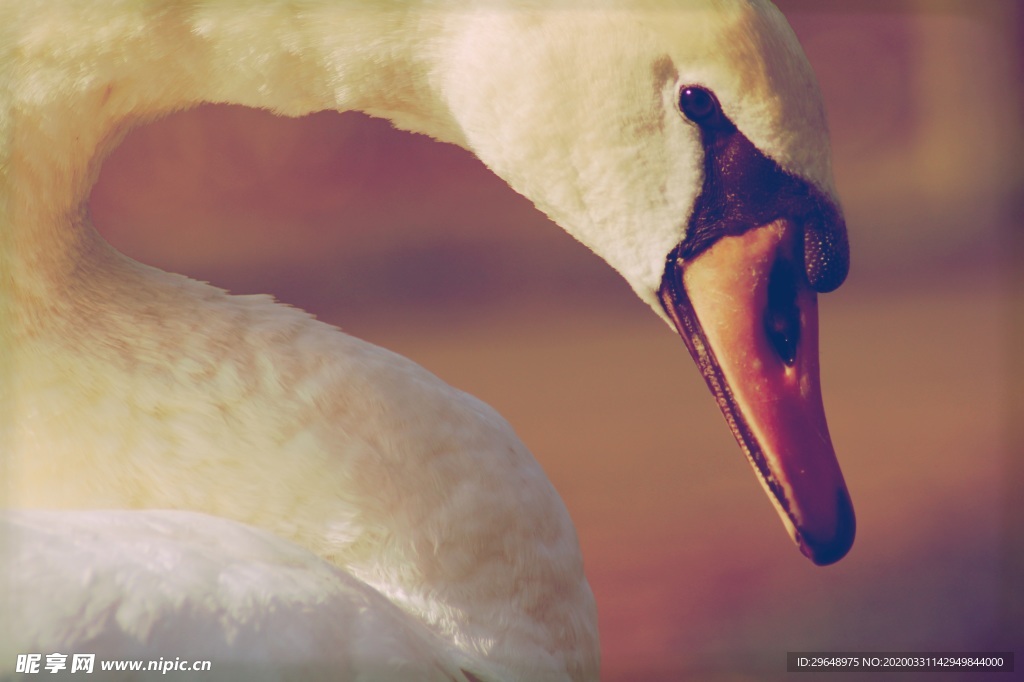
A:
(192, 473)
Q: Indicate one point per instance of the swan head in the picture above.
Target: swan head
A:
(685, 143)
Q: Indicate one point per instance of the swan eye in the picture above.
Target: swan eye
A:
(698, 105)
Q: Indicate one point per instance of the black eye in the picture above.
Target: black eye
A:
(698, 105)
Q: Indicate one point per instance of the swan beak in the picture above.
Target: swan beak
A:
(745, 310)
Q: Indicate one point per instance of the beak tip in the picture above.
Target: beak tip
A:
(826, 551)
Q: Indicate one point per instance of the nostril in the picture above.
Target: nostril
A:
(782, 315)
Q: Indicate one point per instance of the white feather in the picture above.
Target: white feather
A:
(151, 585)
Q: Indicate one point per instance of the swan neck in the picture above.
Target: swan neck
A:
(86, 73)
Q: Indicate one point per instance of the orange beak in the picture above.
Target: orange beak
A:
(748, 315)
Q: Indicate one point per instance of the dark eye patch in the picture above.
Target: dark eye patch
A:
(744, 189)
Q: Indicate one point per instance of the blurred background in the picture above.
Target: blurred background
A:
(415, 246)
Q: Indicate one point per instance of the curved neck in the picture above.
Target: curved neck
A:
(122, 64)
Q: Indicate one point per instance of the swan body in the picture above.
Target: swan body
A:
(394, 497)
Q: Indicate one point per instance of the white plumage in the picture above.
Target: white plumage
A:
(177, 585)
